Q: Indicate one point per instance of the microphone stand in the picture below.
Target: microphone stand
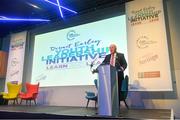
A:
(92, 64)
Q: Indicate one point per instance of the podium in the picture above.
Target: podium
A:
(108, 102)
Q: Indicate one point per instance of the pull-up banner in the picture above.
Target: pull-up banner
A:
(149, 64)
(16, 58)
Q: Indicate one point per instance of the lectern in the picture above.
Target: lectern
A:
(108, 103)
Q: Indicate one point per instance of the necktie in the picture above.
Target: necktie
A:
(112, 60)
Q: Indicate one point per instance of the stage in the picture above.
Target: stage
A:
(64, 112)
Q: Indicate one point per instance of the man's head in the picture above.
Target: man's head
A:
(112, 48)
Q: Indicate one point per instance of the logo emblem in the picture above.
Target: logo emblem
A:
(71, 35)
(14, 62)
(144, 42)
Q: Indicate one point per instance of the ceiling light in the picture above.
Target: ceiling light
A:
(33, 5)
(3, 18)
(60, 7)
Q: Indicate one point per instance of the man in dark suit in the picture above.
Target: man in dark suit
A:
(117, 60)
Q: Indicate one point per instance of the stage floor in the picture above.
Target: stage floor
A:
(23, 111)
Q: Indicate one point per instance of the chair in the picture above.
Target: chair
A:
(124, 90)
(13, 91)
(91, 95)
(30, 94)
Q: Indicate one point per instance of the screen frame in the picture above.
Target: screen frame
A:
(94, 16)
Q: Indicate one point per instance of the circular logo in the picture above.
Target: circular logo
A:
(14, 62)
(144, 42)
(71, 35)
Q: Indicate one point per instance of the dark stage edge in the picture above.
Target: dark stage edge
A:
(60, 112)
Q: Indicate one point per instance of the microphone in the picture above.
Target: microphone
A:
(92, 63)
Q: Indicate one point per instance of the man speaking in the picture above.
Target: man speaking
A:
(117, 60)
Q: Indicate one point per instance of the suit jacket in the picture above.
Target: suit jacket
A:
(119, 62)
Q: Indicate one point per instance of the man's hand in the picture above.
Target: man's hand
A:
(122, 69)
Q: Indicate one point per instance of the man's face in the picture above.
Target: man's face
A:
(112, 49)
